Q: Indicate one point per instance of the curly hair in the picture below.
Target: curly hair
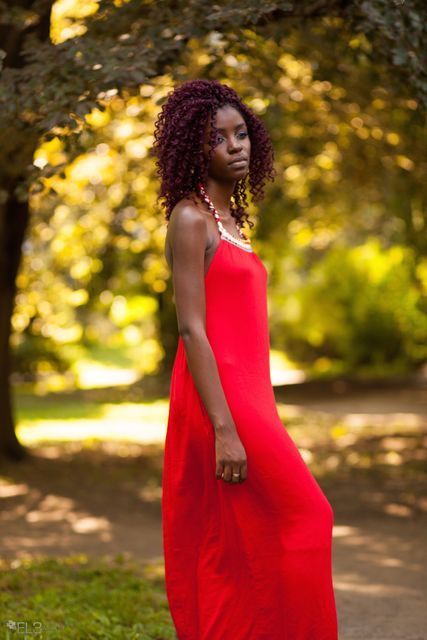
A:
(178, 145)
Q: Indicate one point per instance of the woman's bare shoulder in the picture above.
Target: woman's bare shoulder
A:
(187, 209)
(186, 222)
(187, 215)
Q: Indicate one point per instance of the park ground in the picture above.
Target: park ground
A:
(366, 445)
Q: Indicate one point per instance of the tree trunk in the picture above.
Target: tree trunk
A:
(13, 224)
(19, 146)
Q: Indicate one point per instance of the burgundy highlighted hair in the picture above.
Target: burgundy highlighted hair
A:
(178, 146)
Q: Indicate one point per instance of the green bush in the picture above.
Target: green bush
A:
(36, 354)
(364, 305)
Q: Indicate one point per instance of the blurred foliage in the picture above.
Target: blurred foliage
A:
(364, 306)
(350, 154)
(90, 271)
(97, 47)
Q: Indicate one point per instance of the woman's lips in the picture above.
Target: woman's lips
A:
(238, 163)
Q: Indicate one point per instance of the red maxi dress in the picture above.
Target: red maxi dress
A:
(249, 560)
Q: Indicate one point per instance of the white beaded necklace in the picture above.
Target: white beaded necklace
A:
(245, 243)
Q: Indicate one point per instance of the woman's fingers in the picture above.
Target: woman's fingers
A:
(228, 470)
(243, 471)
(219, 470)
(231, 472)
(225, 472)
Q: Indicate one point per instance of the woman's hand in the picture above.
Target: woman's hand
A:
(230, 456)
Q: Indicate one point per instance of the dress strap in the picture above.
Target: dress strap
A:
(225, 235)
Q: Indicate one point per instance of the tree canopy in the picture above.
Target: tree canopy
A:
(342, 87)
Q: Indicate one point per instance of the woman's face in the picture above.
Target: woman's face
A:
(231, 143)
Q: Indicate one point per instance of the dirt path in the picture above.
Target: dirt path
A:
(379, 577)
(106, 500)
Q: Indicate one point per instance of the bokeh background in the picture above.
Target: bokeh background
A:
(88, 299)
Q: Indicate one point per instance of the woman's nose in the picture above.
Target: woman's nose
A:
(234, 145)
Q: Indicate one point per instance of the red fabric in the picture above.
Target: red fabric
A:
(250, 560)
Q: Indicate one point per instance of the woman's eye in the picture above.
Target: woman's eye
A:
(220, 138)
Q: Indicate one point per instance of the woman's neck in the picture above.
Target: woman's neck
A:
(220, 195)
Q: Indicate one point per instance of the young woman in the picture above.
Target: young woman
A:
(247, 530)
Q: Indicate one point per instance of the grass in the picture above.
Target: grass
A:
(65, 417)
(78, 597)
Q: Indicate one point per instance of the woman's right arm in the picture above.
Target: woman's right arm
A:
(188, 239)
